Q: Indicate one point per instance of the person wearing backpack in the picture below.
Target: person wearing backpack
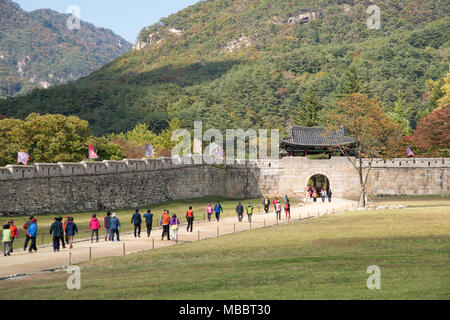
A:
(314, 195)
(27, 237)
(71, 231)
(136, 220)
(107, 226)
(94, 226)
(249, 212)
(240, 211)
(175, 225)
(190, 219)
(148, 215)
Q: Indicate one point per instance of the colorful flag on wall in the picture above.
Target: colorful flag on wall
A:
(148, 150)
(409, 151)
(92, 153)
(23, 157)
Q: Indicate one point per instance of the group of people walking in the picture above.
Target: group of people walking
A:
(277, 206)
(63, 232)
(312, 194)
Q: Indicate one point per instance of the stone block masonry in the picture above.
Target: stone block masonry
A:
(72, 187)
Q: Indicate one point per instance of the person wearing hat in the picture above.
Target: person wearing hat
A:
(27, 237)
(71, 231)
(249, 212)
(115, 227)
(14, 232)
(32, 233)
(56, 230)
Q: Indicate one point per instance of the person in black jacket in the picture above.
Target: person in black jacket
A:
(136, 219)
(27, 237)
(60, 219)
(148, 215)
(107, 225)
(240, 211)
(56, 230)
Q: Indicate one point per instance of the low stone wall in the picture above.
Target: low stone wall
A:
(71, 187)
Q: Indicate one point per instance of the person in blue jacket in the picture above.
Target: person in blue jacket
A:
(148, 221)
(115, 227)
(32, 233)
(71, 231)
(217, 210)
(136, 220)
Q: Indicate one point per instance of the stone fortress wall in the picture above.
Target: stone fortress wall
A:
(85, 186)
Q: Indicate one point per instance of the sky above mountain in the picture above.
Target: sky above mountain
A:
(125, 18)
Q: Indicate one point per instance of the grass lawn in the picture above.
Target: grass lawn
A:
(322, 258)
(178, 207)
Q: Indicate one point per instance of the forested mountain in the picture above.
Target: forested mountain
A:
(248, 63)
(38, 50)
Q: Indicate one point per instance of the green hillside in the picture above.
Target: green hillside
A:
(38, 50)
(247, 63)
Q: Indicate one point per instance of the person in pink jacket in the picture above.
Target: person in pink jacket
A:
(209, 211)
(278, 209)
(94, 225)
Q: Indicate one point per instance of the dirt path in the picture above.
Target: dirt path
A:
(23, 262)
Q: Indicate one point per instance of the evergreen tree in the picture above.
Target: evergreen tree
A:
(308, 113)
(353, 83)
(400, 113)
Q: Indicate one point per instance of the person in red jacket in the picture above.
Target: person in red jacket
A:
(274, 202)
(14, 232)
(64, 228)
(287, 210)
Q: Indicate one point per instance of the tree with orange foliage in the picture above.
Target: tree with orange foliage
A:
(374, 133)
(432, 135)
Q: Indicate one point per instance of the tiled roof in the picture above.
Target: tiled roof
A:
(317, 136)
